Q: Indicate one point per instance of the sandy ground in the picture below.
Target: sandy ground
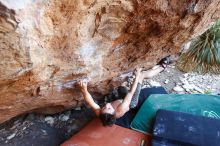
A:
(52, 130)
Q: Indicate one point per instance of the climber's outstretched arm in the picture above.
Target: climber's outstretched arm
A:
(88, 98)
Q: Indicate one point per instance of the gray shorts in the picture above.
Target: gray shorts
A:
(134, 100)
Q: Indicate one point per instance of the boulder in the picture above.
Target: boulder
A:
(46, 46)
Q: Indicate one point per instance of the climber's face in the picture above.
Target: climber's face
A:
(108, 108)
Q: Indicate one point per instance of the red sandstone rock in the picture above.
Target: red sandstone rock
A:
(46, 46)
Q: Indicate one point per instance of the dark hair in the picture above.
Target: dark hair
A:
(122, 92)
(107, 119)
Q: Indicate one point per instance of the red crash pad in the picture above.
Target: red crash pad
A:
(94, 134)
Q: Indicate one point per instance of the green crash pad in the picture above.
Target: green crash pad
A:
(197, 104)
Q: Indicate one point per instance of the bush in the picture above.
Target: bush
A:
(203, 56)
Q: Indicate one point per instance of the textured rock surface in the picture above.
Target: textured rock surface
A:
(45, 46)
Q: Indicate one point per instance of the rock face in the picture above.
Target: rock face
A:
(45, 46)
